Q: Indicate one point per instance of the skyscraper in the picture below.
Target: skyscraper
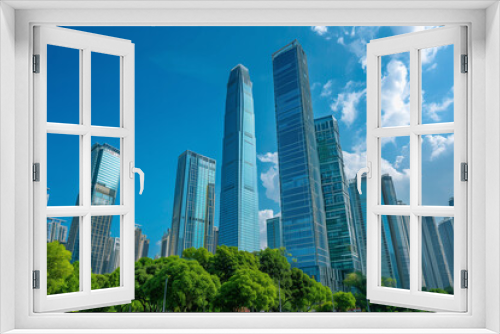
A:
(239, 217)
(399, 230)
(141, 243)
(302, 210)
(274, 233)
(165, 243)
(194, 203)
(112, 255)
(105, 162)
(215, 238)
(339, 223)
(436, 272)
(446, 233)
(56, 231)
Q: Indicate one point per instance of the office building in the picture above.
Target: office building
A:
(141, 243)
(56, 231)
(239, 213)
(194, 203)
(165, 243)
(436, 271)
(274, 233)
(215, 243)
(112, 255)
(302, 209)
(339, 223)
(105, 177)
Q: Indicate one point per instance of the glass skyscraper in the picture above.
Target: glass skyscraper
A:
(339, 223)
(274, 233)
(194, 203)
(239, 212)
(302, 209)
(105, 164)
(436, 272)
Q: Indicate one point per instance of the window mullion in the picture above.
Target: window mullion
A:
(415, 173)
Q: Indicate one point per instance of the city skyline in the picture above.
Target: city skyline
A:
(326, 98)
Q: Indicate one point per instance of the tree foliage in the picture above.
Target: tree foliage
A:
(59, 268)
(343, 301)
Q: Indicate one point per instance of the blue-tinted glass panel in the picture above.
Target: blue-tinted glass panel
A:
(105, 90)
(63, 85)
(60, 260)
(105, 251)
(395, 170)
(437, 169)
(395, 251)
(437, 84)
(63, 170)
(105, 171)
(437, 254)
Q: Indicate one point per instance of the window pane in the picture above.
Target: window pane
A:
(437, 84)
(63, 268)
(395, 251)
(105, 160)
(105, 254)
(63, 170)
(437, 169)
(105, 90)
(437, 254)
(63, 85)
(395, 90)
(395, 170)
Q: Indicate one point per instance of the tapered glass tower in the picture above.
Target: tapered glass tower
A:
(194, 203)
(302, 209)
(239, 218)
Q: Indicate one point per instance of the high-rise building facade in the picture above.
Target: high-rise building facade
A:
(274, 233)
(56, 231)
(436, 271)
(339, 223)
(165, 243)
(302, 209)
(215, 238)
(112, 255)
(398, 228)
(194, 203)
(141, 244)
(239, 216)
(105, 172)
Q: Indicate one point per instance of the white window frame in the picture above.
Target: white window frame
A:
(85, 43)
(16, 21)
(413, 43)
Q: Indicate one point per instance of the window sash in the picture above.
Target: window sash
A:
(412, 43)
(86, 43)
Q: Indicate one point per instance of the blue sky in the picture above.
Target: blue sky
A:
(181, 76)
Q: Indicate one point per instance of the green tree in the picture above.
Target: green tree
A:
(247, 288)
(190, 287)
(274, 263)
(202, 255)
(227, 260)
(438, 290)
(59, 268)
(302, 291)
(344, 301)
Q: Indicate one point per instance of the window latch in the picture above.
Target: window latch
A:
(132, 171)
(367, 170)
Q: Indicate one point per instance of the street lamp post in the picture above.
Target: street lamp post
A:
(165, 294)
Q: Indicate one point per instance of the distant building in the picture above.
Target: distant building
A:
(339, 223)
(213, 249)
(194, 203)
(302, 208)
(141, 244)
(274, 233)
(446, 233)
(165, 243)
(105, 176)
(436, 271)
(56, 231)
(239, 212)
(112, 259)
(358, 209)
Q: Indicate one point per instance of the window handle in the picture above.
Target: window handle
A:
(139, 171)
(367, 170)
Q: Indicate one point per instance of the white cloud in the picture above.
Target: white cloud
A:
(326, 91)
(439, 144)
(320, 30)
(270, 178)
(432, 67)
(264, 215)
(353, 162)
(315, 85)
(399, 160)
(355, 41)
(434, 109)
(340, 40)
(347, 103)
(395, 94)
